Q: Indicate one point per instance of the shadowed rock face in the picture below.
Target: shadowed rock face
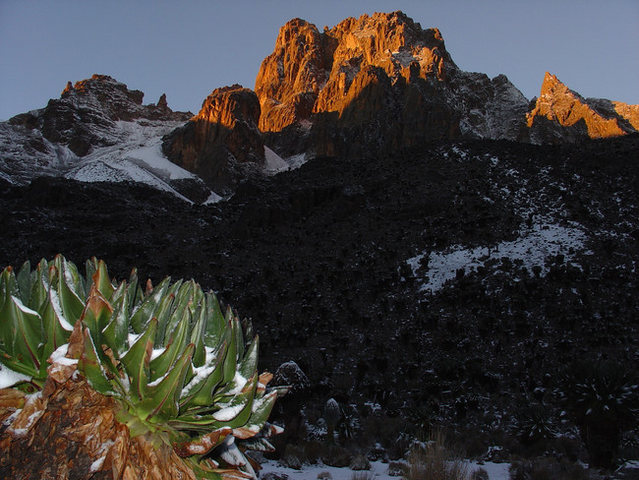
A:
(561, 115)
(85, 114)
(220, 138)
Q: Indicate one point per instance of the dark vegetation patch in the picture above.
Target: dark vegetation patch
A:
(317, 258)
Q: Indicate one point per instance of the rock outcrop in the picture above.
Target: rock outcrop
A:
(312, 72)
(379, 82)
(222, 140)
(98, 130)
(376, 81)
(562, 115)
(85, 114)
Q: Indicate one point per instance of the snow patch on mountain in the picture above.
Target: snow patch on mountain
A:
(296, 161)
(139, 147)
(134, 156)
(533, 248)
(275, 164)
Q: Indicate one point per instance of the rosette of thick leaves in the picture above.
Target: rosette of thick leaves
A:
(180, 367)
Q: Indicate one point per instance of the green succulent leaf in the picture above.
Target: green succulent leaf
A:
(176, 346)
(248, 365)
(133, 288)
(230, 361)
(147, 309)
(102, 281)
(56, 329)
(183, 297)
(164, 313)
(66, 282)
(162, 396)
(40, 285)
(237, 330)
(261, 411)
(8, 286)
(137, 360)
(97, 313)
(115, 333)
(236, 412)
(24, 280)
(92, 367)
(216, 324)
(197, 336)
(199, 391)
(20, 333)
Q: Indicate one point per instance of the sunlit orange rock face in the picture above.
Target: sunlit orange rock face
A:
(629, 113)
(316, 72)
(558, 106)
(221, 136)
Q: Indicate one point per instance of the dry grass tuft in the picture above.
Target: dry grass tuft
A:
(433, 461)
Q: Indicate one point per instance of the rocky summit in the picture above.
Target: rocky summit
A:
(380, 79)
(85, 114)
(561, 115)
(220, 139)
(383, 80)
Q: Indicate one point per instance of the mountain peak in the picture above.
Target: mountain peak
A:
(552, 87)
(311, 71)
(112, 95)
(85, 114)
(221, 140)
(562, 114)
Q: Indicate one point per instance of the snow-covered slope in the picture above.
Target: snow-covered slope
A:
(275, 164)
(97, 131)
(137, 157)
(134, 156)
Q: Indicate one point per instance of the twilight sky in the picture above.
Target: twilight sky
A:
(188, 48)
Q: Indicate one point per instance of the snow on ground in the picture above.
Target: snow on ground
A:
(378, 471)
(533, 248)
(276, 164)
(213, 198)
(296, 161)
(137, 156)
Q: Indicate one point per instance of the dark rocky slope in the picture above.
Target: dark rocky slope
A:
(318, 258)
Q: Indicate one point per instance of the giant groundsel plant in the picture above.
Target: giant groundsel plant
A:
(179, 368)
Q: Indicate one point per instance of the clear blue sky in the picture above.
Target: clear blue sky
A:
(189, 48)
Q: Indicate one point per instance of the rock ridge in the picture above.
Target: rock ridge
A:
(85, 114)
(382, 79)
(379, 81)
(561, 114)
(221, 140)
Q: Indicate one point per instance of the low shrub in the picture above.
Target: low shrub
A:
(547, 469)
